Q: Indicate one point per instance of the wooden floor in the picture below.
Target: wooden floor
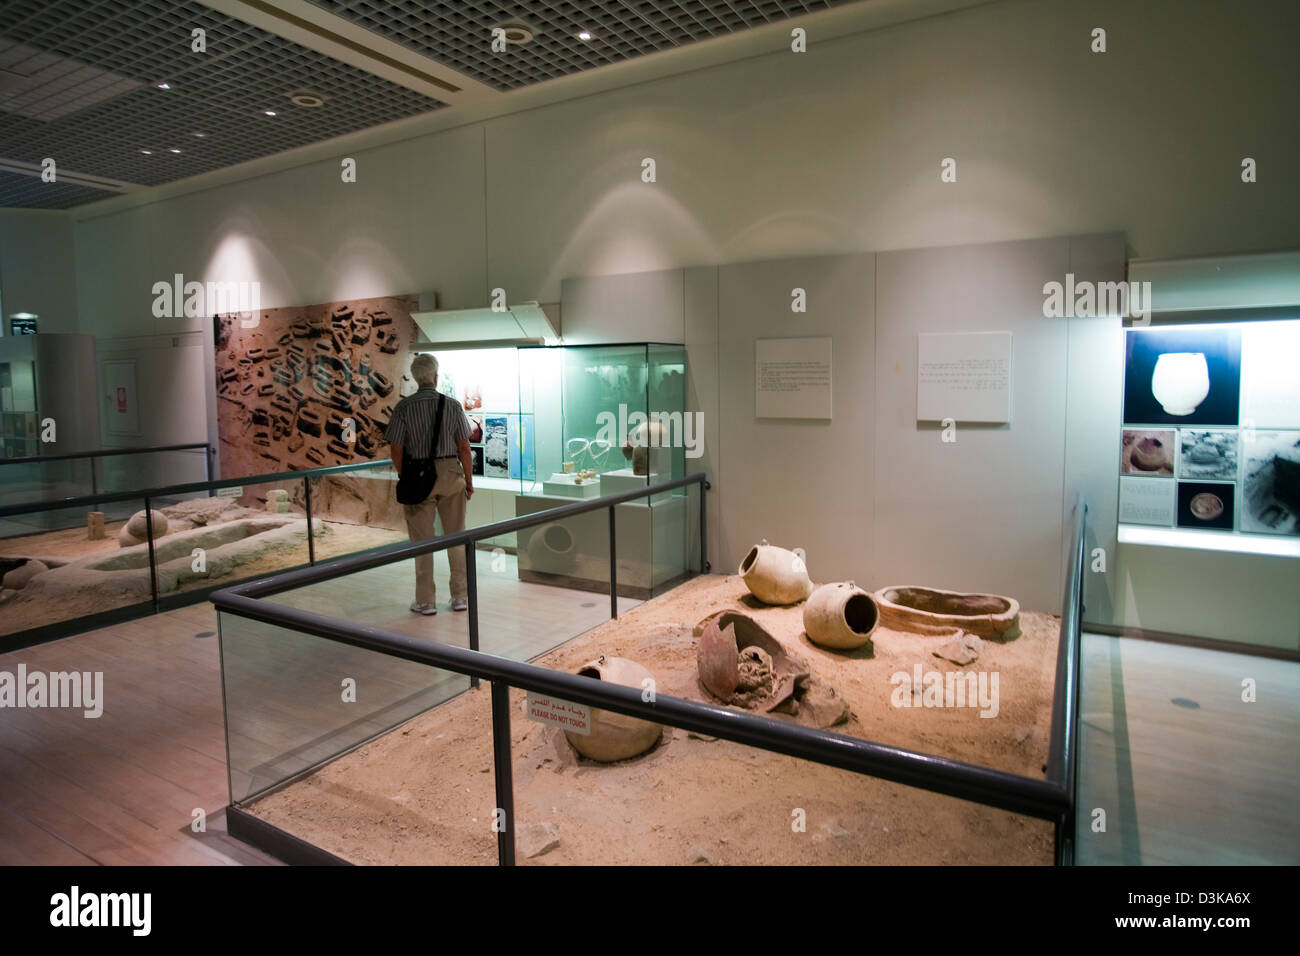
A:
(122, 788)
(1185, 770)
(1180, 784)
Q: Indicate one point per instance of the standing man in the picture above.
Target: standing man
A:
(410, 435)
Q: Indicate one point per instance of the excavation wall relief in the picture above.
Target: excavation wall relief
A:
(287, 386)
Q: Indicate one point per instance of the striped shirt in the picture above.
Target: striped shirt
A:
(412, 424)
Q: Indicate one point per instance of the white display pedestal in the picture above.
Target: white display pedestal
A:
(623, 480)
(652, 541)
(566, 486)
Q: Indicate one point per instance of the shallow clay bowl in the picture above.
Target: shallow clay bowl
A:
(1206, 506)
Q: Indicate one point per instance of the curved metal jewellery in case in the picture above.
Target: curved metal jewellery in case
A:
(582, 446)
(598, 456)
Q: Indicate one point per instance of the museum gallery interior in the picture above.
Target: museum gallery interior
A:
(876, 427)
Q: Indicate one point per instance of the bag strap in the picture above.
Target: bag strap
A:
(437, 427)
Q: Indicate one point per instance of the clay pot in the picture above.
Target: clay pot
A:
(551, 548)
(842, 616)
(775, 575)
(727, 636)
(136, 529)
(615, 736)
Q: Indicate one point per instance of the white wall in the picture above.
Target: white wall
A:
(37, 265)
(787, 154)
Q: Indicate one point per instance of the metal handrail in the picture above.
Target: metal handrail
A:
(188, 488)
(1062, 757)
(261, 587)
(1049, 799)
(103, 453)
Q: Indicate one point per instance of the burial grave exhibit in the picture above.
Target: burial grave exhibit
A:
(675, 793)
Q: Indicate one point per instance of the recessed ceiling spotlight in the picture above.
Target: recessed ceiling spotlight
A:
(268, 112)
(173, 150)
(198, 134)
(308, 99)
(517, 34)
(584, 35)
(147, 152)
(163, 86)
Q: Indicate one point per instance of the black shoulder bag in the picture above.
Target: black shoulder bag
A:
(418, 475)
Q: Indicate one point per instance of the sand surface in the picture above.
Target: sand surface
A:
(26, 610)
(424, 793)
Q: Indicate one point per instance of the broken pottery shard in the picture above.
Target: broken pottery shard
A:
(717, 660)
(744, 632)
(536, 839)
(962, 649)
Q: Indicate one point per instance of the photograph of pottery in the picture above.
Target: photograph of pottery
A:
(1271, 489)
(1205, 505)
(1147, 452)
(1182, 376)
(475, 428)
(1207, 454)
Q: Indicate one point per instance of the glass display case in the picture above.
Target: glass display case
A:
(553, 424)
(609, 419)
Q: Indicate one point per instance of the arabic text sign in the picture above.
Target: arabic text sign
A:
(575, 718)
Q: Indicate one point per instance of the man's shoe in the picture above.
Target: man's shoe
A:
(460, 604)
(419, 608)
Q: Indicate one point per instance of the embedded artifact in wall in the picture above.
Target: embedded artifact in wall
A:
(616, 736)
(775, 575)
(841, 616)
(911, 607)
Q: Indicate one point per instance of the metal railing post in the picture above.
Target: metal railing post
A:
(613, 568)
(153, 557)
(704, 528)
(311, 533)
(503, 772)
(471, 595)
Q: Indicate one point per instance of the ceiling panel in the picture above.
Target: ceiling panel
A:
(30, 192)
(459, 34)
(80, 86)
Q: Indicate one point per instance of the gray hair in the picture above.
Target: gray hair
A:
(424, 369)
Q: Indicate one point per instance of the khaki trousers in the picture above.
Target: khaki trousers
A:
(448, 501)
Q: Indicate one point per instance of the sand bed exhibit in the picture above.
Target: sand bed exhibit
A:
(90, 576)
(424, 792)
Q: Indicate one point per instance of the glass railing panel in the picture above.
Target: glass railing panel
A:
(294, 700)
(355, 510)
(59, 564)
(151, 469)
(37, 481)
